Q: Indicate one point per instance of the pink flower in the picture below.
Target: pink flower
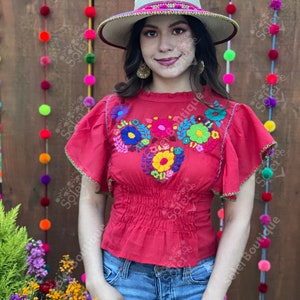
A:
(162, 127)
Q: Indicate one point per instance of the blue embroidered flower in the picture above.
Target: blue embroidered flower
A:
(130, 135)
(119, 112)
(216, 114)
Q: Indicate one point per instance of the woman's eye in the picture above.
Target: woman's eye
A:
(178, 31)
(150, 33)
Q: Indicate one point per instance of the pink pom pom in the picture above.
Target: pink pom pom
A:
(45, 61)
(265, 219)
(228, 78)
(90, 34)
(264, 265)
(83, 278)
(221, 213)
(264, 243)
(46, 248)
(89, 79)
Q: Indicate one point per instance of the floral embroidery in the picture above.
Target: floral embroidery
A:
(131, 136)
(216, 114)
(162, 127)
(198, 133)
(154, 139)
(163, 164)
(119, 112)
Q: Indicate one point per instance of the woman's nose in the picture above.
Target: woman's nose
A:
(166, 43)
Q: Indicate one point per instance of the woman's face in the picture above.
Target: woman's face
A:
(168, 47)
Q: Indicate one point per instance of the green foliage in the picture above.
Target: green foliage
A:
(13, 255)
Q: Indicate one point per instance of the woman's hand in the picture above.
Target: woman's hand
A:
(103, 291)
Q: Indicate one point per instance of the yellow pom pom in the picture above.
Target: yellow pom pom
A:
(45, 158)
(270, 125)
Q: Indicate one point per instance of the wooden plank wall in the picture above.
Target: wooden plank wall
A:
(21, 74)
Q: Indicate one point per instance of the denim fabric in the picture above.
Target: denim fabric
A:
(137, 281)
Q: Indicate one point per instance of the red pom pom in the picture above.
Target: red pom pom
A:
(46, 248)
(90, 11)
(263, 288)
(219, 234)
(266, 196)
(45, 10)
(45, 134)
(45, 201)
(264, 243)
(44, 36)
(45, 85)
(231, 9)
(272, 78)
(273, 54)
(274, 29)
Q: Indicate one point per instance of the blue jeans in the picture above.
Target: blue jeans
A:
(137, 281)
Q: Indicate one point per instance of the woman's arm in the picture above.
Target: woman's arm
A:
(233, 241)
(90, 229)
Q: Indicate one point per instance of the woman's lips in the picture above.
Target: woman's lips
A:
(167, 61)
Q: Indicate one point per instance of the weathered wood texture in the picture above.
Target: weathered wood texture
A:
(21, 74)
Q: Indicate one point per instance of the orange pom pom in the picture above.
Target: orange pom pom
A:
(45, 224)
(45, 158)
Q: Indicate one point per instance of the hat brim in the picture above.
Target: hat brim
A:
(115, 31)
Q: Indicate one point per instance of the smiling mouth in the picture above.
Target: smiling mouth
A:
(167, 61)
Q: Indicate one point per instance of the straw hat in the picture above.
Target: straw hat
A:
(115, 31)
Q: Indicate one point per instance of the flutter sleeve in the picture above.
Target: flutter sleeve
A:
(246, 143)
(88, 148)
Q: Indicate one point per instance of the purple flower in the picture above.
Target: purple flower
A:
(119, 112)
(276, 4)
(15, 297)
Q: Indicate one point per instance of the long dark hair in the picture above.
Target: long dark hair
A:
(205, 51)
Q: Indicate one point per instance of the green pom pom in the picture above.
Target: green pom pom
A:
(267, 173)
(229, 55)
(90, 58)
(45, 110)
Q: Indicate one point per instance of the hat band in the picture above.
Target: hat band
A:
(169, 5)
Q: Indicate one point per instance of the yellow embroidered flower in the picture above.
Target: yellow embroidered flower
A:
(215, 134)
(163, 161)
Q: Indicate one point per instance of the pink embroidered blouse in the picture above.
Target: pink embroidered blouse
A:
(163, 157)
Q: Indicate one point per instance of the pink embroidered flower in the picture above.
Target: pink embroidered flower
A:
(162, 127)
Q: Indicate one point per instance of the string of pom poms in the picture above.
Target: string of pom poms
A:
(270, 103)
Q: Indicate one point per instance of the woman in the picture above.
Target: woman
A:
(163, 144)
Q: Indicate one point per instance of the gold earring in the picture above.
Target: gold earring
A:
(201, 67)
(143, 72)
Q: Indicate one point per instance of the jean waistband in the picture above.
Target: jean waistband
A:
(126, 264)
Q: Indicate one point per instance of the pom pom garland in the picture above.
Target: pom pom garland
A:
(264, 243)
(229, 55)
(45, 224)
(270, 102)
(46, 247)
(270, 125)
(45, 201)
(264, 265)
(266, 196)
(273, 54)
(44, 36)
(272, 78)
(45, 61)
(263, 288)
(45, 110)
(89, 80)
(274, 29)
(45, 10)
(90, 11)
(231, 9)
(228, 78)
(89, 102)
(265, 219)
(45, 134)
(45, 85)
(276, 4)
(45, 179)
(45, 158)
(267, 173)
(90, 58)
(90, 34)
